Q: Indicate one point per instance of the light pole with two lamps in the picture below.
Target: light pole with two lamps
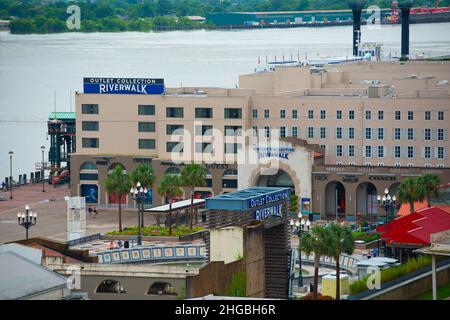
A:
(301, 226)
(139, 194)
(42, 169)
(10, 174)
(387, 202)
(27, 219)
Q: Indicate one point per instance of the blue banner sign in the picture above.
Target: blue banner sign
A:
(274, 152)
(264, 213)
(267, 199)
(123, 86)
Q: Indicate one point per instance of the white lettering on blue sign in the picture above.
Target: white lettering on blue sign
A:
(274, 152)
(267, 199)
(264, 213)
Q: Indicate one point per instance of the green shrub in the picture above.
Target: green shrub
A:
(150, 231)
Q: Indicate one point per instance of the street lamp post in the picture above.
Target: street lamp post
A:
(42, 169)
(387, 202)
(10, 174)
(27, 219)
(139, 193)
(302, 226)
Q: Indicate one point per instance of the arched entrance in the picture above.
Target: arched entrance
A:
(335, 200)
(279, 179)
(366, 199)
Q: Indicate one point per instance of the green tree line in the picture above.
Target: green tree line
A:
(33, 16)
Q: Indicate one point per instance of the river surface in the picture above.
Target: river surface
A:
(33, 68)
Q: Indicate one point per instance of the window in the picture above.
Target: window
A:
(427, 134)
(398, 115)
(351, 114)
(368, 115)
(174, 112)
(310, 114)
(427, 165)
(351, 133)
(282, 132)
(440, 115)
(368, 151)
(397, 165)
(339, 152)
(380, 115)
(294, 114)
(146, 127)
(397, 152)
(351, 150)
(255, 131)
(90, 143)
(174, 129)
(440, 165)
(368, 133)
(233, 113)
(282, 114)
(380, 134)
(110, 286)
(89, 125)
(146, 110)
(254, 113)
(339, 133)
(203, 112)
(427, 115)
(410, 165)
(162, 288)
(323, 132)
(410, 115)
(229, 183)
(427, 153)
(440, 134)
(266, 114)
(440, 152)
(89, 108)
(203, 130)
(232, 147)
(410, 134)
(267, 132)
(380, 151)
(174, 146)
(204, 147)
(146, 143)
(339, 114)
(233, 130)
(294, 131)
(310, 132)
(397, 134)
(410, 152)
(323, 114)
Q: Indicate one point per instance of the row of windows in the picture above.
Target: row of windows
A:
(398, 165)
(351, 114)
(397, 152)
(171, 112)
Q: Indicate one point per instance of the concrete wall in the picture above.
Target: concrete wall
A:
(416, 288)
(255, 260)
(227, 244)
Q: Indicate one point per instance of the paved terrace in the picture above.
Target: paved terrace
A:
(52, 215)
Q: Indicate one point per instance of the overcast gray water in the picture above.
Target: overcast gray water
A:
(34, 67)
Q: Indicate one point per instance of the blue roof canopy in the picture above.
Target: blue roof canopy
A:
(248, 198)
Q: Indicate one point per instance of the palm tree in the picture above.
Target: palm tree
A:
(410, 191)
(169, 187)
(314, 241)
(118, 183)
(429, 183)
(192, 176)
(143, 174)
(340, 240)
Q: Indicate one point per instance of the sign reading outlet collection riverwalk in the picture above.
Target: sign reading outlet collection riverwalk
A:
(263, 202)
(123, 85)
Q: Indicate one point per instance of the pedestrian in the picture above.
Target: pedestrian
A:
(111, 245)
(4, 186)
(119, 243)
(90, 212)
(95, 212)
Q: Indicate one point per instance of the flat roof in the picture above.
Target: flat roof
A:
(62, 115)
(179, 205)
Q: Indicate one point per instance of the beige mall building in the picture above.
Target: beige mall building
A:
(348, 131)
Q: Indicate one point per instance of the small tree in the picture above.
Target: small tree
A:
(429, 183)
(314, 241)
(294, 203)
(144, 174)
(410, 191)
(118, 184)
(169, 187)
(192, 176)
(340, 240)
